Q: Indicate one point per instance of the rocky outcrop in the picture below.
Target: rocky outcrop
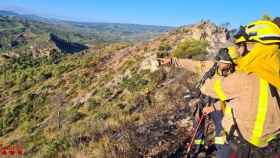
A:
(66, 46)
(150, 63)
(217, 36)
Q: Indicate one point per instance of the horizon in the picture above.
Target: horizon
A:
(159, 13)
(69, 20)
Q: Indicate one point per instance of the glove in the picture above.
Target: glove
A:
(164, 61)
(208, 109)
(190, 94)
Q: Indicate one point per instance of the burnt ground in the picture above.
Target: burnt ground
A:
(164, 136)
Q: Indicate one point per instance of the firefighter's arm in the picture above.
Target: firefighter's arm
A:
(209, 88)
(188, 64)
(223, 88)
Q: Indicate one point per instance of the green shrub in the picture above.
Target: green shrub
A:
(45, 75)
(10, 118)
(163, 50)
(164, 47)
(60, 70)
(53, 147)
(101, 115)
(135, 83)
(190, 48)
(93, 103)
(266, 17)
(84, 81)
(162, 54)
(27, 126)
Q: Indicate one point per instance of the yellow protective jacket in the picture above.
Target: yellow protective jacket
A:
(256, 112)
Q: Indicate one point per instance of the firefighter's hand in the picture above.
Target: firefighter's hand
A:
(164, 61)
(208, 109)
(194, 102)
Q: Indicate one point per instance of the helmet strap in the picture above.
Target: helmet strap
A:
(246, 50)
(232, 68)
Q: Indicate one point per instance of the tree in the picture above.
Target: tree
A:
(266, 17)
(191, 48)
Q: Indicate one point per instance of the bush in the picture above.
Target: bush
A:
(163, 50)
(45, 76)
(266, 17)
(135, 83)
(52, 148)
(93, 103)
(164, 47)
(162, 54)
(191, 48)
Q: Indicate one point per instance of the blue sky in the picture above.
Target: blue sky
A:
(153, 12)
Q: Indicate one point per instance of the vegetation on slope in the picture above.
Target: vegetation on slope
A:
(113, 101)
(78, 103)
(191, 48)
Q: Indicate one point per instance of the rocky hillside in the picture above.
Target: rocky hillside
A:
(110, 102)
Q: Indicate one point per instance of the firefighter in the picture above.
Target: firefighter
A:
(225, 61)
(252, 92)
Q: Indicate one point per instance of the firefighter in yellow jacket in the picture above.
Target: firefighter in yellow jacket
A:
(225, 59)
(253, 93)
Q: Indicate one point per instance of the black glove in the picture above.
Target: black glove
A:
(191, 94)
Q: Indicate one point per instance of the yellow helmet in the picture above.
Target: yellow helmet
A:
(262, 31)
(233, 53)
(239, 40)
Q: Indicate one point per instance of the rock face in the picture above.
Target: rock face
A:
(150, 64)
(66, 46)
(217, 36)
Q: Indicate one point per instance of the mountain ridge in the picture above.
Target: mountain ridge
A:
(44, 19)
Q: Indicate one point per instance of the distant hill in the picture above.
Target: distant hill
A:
(104, 31)
(20, 32)
(8, 13)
